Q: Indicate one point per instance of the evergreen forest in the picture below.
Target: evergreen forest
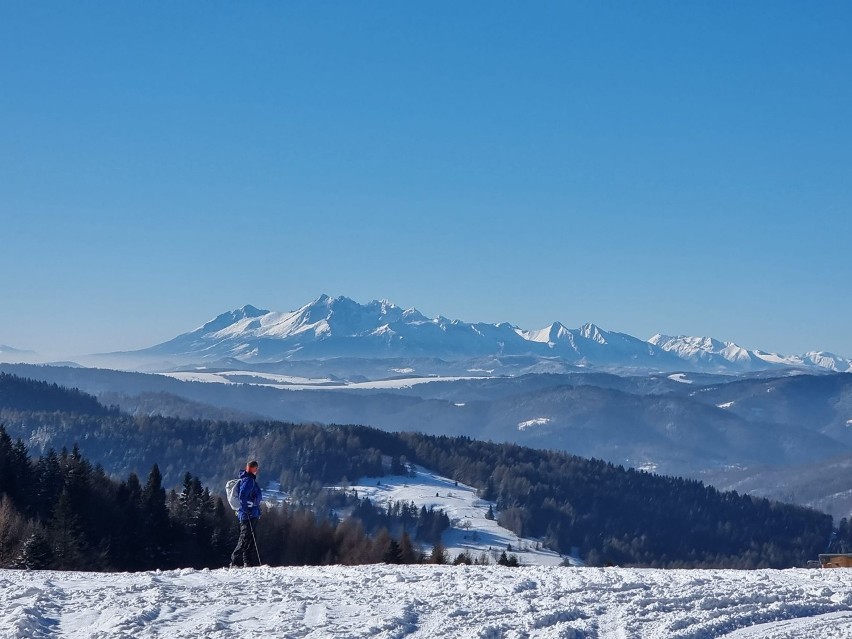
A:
(89, 509)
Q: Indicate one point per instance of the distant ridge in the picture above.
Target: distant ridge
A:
(12, 354)
(4, 348)
(340, 327)
(712, 352)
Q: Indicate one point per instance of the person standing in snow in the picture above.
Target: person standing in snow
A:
(248, 514)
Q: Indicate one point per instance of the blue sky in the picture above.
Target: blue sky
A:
(683, 168)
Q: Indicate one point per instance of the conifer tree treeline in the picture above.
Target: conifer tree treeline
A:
(26, 394)
(60, 512)
(611, 514)
(623, 516)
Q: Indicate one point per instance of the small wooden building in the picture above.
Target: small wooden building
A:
(837, 560)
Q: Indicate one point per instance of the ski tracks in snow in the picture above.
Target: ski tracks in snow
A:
(428, 602)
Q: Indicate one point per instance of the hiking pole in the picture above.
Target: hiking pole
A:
(254, 539)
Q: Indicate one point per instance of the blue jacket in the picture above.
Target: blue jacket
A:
(250, 497)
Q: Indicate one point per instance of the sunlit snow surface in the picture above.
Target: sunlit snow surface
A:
(538, 421)
(289, 382)
(427, 602)
(470, 530)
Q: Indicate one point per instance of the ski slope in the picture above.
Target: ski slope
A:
(428, 602)
(470, 530)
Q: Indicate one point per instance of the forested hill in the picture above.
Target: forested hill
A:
(17, 393)
(612, 515)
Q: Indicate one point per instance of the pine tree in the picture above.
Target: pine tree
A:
(382, 544)
(49, 482)
(155, 521)
(223, 536)
(127, 531)
(439, 554)
(397, 467)
(193, 514)
(13, 532)
(36, 553)
(406, 550)
(65, 536)
(7, 472)
(14, 467)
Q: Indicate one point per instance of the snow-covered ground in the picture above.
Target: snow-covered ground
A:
(428, 602)
(289, 382)
(530, 423)
(471, 531)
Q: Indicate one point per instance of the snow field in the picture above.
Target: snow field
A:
(538, 421)
(421, 602)
(471, 531)
(288, 382)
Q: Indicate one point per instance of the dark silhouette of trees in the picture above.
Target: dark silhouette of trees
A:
(14, 530)
(93, 522)
(19, 393)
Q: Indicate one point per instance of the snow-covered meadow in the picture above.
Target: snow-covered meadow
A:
(471, 530)
(383, 601)
(294, 383)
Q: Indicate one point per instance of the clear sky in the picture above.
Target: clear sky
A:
(675, 167)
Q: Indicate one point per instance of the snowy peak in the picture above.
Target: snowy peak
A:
(718, 355)
(231, 317)
(550, 335)
(413, 315)
(345, 315)
(712, 352)
(829, 361)
(592, 345)
(707, 344)
(348, 317)
(594, 333)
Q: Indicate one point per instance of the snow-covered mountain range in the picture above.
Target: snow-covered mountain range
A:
(704, 352)
(342, 328)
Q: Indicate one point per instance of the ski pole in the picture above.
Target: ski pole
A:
(254, 539)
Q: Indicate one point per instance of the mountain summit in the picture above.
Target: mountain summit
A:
(706, 352)
(340, 327)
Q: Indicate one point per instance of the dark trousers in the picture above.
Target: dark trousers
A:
(245, 554)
